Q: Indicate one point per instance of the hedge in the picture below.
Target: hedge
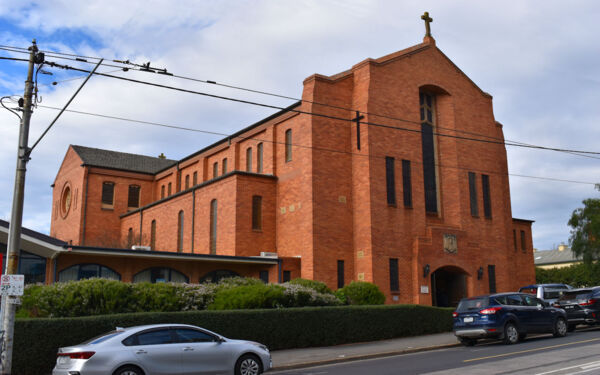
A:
(576, 275)
(37, 340)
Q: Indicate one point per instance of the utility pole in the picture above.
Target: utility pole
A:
(14, 234)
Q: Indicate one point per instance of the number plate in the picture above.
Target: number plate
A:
(468, 319)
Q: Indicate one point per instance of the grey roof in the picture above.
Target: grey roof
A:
(546, 257)
(36, 235)
(96, 157)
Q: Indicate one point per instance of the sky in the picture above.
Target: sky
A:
(538, 59)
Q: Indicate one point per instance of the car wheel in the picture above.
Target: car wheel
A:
(511, 335)
(571, 327)
(560, 328)
(128, 370)
(522, 336)
(248, 364)
(467, 341)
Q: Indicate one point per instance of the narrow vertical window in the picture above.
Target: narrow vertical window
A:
(287, 276)
(256, 212)
(162, 192)
(473, 194)
(390, 180)
(108, 194)
(215, 169)
(340, 274)
(133, 198)
(394, 282)
(288, 145)
(427, 104)
(195, 178)
(263, 276)
(515, 239)
(224, 166)
(169, 190)
(180, 232)
(406, 183)
(249, 159)
(213, 226)
(187, 181)
(492, 278)
(153, 235)
(259, 158)
(487, 205)
(129, 238)
(523, 241)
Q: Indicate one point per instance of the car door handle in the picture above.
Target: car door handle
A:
(141, 352)
(188, 349)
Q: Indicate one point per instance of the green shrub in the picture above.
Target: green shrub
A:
(277, 328)
(297, 295)
(248, 297)
(361, 293)
(576, 275)
(313, 284)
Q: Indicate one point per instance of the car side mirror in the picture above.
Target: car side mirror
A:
(219, 339)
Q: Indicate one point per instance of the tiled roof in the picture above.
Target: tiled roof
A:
(96, 157)
(36, 235)
(545, 257)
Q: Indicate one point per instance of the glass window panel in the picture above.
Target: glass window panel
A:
(107, 273)
(142, 277)
(429, 116)
(422, 114)
(178, 277)
(33, 267)
(428, 98)
(162, 336)
(192, 335)
(421, 98)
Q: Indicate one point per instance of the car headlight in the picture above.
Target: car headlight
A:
(263, 347)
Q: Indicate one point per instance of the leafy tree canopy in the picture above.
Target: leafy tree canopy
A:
(585, 232)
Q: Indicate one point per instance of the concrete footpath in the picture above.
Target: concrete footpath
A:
(298, 358)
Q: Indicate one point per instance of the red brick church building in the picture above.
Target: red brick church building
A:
(392, 172)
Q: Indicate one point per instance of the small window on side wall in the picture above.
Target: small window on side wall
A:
(133, 199)
(249, 159)
(256, 212)
(288, 145)
(108, 194)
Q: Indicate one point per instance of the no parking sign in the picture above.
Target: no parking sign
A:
(12, 285)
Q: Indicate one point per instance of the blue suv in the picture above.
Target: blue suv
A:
(506, 316)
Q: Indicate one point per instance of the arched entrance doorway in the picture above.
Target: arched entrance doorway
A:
(448, 286)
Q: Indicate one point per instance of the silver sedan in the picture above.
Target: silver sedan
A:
(163, 349)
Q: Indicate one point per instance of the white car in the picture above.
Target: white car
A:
(163, 349)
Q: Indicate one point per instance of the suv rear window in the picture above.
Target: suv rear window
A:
(473, 304)
(576, 295)
(528, 291)
(553, 293)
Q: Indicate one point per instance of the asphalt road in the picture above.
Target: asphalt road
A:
(578, 353)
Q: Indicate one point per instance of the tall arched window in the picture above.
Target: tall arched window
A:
(187, 181)
(249, 159)
(288, 145)
(215, 169)
(133, 197)
(256, 212)
(153, 235)
(162, 192)
(427, 107)
(224, 166)
(259, 158)
(213, 226)
(180, 231)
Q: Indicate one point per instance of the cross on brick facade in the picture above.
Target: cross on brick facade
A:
(357, 120)
(425, 17)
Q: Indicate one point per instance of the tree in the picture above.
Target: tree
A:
(585, 235)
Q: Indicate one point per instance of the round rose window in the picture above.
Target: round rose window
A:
(65, 200)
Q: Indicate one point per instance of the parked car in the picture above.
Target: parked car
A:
(546, 292)
(162, 349)
(506, 316)
(582, 306)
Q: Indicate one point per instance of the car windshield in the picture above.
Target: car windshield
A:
(473, 304)
(575, 295)
(101, 338)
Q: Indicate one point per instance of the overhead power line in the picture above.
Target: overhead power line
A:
(499, 140)
(382, 157)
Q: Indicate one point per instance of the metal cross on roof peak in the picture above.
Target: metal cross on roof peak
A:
(425, 17)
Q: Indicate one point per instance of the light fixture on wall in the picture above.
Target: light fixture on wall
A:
(426, 270)
(480, 273)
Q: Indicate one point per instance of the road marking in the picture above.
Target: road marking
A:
(529, 350)
(584, 366)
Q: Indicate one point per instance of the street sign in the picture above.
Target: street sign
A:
(12, 285)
